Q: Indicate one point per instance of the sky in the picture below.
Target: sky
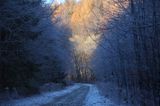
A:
(50, 1)
(59, 1)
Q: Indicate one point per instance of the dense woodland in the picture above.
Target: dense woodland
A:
(113, 43)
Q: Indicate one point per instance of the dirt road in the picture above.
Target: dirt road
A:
(75, 98)
(76, 95)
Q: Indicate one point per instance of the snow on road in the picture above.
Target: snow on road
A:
(76, 95)
(95, 99)
(41, 99)
(75, 98)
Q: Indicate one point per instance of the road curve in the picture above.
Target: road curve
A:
(75, 98)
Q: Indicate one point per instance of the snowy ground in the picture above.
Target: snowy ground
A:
(40, 99)
(77, 95)
(95, 99)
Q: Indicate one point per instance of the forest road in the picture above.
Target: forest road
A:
(75, 98)
(76, 95)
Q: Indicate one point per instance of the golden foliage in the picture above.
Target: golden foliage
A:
(82, 12)
(88, 11)
(86, 17)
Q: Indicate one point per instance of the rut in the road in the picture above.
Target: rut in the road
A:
(76, 98)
